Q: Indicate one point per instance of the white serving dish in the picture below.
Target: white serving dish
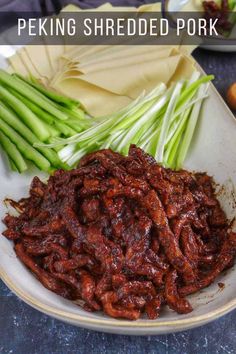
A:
(190, 5)
(214, 151)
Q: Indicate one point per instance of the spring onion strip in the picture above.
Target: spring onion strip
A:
(177, 133)
(190, 128)
(68, 151)
(162, 122)
(150, 114)
(166, 122)
(176, 121)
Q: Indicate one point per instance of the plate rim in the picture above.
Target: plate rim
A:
(65, 315)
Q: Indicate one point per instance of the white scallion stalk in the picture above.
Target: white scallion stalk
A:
(171, 146)
(179, 113)
(166, 122)
(157, 122)
(65, 153)
(195, 76)
(149, 115)
(76, 157)
(187, 138)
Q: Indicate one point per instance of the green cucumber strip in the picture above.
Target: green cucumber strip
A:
(30, 93)
(26, 149)
(26, 115)
(15, 158)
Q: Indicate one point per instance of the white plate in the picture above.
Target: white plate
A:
(178, 5)
(213, 150)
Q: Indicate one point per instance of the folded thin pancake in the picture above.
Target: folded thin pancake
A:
(104, 78)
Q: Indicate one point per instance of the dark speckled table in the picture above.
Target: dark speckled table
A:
(24, 330)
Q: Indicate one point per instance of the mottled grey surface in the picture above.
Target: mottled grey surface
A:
(222, 65)
(24, 330)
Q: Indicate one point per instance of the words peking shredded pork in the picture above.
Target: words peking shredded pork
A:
(123, 234)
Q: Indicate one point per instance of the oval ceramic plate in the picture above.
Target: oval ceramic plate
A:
(214, 151)
(193, 5)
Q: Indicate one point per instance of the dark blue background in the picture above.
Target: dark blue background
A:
(24, 330)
